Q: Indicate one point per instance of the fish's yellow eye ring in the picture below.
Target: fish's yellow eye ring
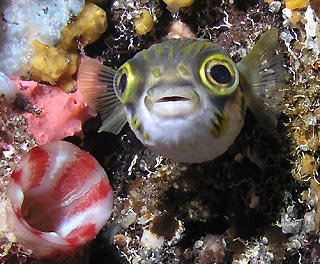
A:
(219, 74)
(125, 82)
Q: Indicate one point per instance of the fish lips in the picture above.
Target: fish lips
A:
(172, 100)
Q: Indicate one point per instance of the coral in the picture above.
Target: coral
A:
(143, 209)
(86, 28)
(124, 39)
(210, 249)
(274, 6)
(60, 198)
(179, 29)
(296, 4)
(8, 88)
(15, 140)
(174, 5)
(51, 113)
(303, 108)
(259, 252)
(49, 64)
(48, 53)
(57, 64)
(144, 23)
(25, 21)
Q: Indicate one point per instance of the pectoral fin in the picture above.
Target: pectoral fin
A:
(262, 77)
(95, 82)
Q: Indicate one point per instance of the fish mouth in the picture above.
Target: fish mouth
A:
(172, 101)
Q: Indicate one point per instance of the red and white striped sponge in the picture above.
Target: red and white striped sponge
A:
(60, 196)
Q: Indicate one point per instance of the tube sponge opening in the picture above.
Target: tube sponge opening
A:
(60, 197)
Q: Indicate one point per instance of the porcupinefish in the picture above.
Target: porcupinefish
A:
(186, 99)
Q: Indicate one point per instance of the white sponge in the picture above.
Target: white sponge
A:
(27, 20)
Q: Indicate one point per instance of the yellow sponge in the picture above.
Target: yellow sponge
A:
(144, 23)
(296, 4)
(87, 27)
(50, 63)
(57, 64)
(174, 5)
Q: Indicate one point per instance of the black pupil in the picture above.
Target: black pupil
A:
(123, 83)
(220, 74)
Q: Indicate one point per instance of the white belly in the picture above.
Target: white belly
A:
(191, 139)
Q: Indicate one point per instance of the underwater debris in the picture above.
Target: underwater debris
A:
(303, 52)
(177, 204)
(275, 6)
(258, 252)
(121, 40)
(15, 140)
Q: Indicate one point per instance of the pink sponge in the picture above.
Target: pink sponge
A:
(62, 114)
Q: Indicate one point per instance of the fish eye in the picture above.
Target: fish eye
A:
(219, 73)
(122, 82)
(127, 81)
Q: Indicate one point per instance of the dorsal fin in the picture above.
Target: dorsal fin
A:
(95, 82)
(262, 77)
